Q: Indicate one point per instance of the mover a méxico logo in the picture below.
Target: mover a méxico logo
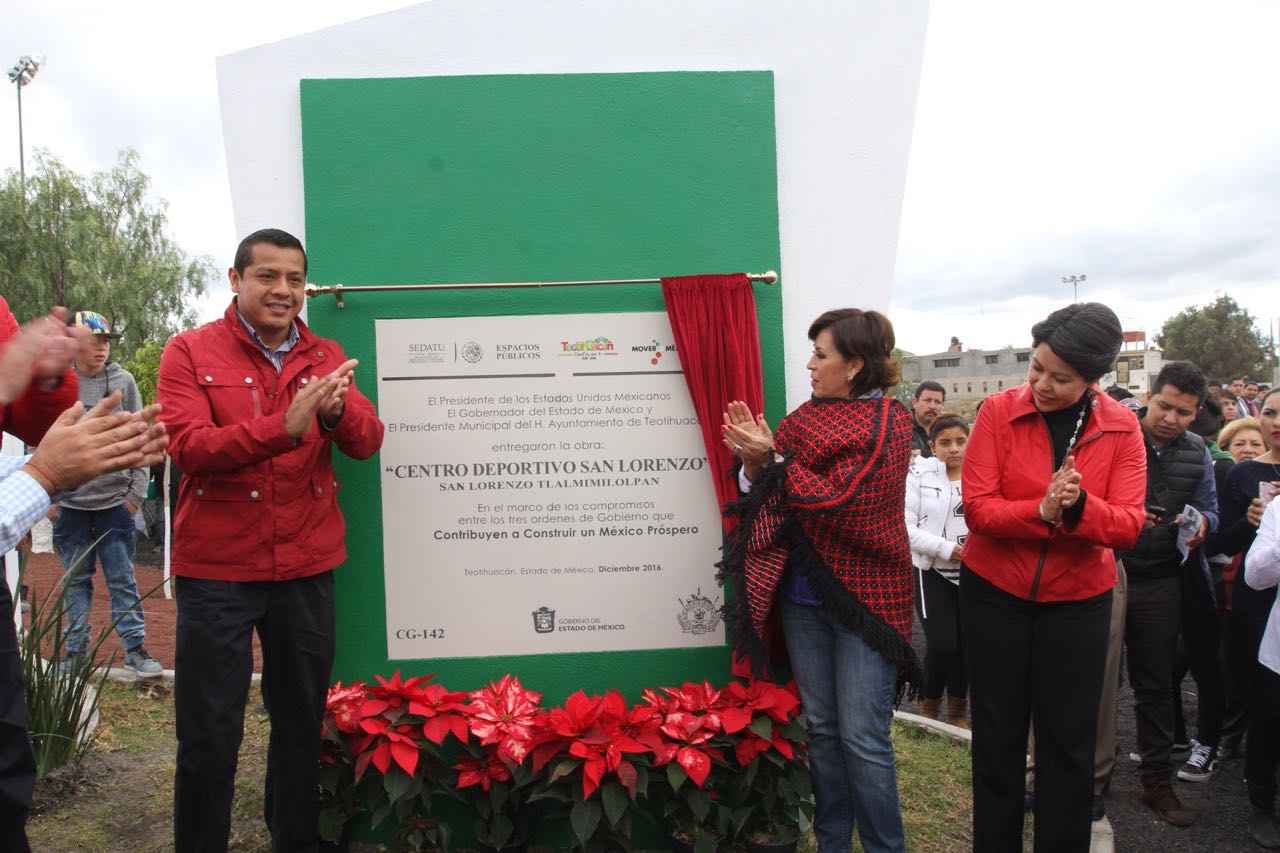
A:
(655, 350)
(588, 350)
(698, 614)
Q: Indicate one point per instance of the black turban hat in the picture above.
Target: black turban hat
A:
(1086, 336)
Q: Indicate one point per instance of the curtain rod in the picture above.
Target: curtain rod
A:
(340, 290)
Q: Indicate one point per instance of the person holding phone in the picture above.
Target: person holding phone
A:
(1167, 594)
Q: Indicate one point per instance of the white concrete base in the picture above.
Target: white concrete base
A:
(936, 726)
(1103, 839)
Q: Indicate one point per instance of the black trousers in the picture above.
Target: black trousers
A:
(1151, 630)
(1199, 653)
(1263, 756)
(944, 670)
(17, 761)
(295, 624)
(1041, 660)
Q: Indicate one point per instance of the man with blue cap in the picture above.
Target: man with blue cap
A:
(94, 524)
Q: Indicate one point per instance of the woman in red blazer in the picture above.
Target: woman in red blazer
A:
(1054, 480)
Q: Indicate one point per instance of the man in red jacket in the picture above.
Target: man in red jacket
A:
(253, 403)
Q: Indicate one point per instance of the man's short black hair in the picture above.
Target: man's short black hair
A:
(1183, 375)
(274, 236)
(930, 385)
(1118, 393)
(1208, 422)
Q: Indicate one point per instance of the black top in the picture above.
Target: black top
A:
(1235, 534)
(1062, 425)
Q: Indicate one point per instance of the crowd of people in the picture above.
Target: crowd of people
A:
(1066, 528)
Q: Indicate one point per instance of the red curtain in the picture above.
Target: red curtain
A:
(713, 318)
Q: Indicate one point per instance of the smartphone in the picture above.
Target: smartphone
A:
(1156, 510)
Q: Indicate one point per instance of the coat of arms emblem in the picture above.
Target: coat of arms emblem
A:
(698, 614)
(544, 620)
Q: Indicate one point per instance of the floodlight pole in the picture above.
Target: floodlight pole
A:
(1074, 281)
(22, 157)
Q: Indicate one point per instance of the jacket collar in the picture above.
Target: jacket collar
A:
(1107, 414)
(306, 339)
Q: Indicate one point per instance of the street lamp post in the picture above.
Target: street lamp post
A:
(1074, 281)
(22, 73)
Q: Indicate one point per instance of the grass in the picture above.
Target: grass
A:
(121, 797)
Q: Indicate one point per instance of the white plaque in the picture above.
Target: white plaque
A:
(545, 488)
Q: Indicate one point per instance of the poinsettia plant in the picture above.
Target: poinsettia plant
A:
(722, 765)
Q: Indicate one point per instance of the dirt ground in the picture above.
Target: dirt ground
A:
(44, 571)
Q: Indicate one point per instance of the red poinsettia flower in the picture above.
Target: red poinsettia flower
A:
(780, 703)
(388, 743)
(751, 746)
(689, 734)
(506, 714)
(394, 694)
(481, 771)
(445, 713)
(344, 705)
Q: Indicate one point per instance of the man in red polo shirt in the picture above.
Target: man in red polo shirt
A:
(253, 403)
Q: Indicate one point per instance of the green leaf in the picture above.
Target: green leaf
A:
(331, 823)
(706, 843)
(762, 726)
(498, 795)
(615, 800)
(500, 830)
(642, 780)
(740, 818)
(584, 817)
(396, 784)
(563, 767)
(380, 815)
(676, 776)
(699, 802)
(724, 818)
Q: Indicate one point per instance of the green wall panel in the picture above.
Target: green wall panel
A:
(518, 178)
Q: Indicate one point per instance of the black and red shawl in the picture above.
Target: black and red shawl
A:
(831, 510)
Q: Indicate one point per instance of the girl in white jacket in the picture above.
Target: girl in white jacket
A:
(936, 525)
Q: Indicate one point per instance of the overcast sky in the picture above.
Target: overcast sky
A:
(1134, 142)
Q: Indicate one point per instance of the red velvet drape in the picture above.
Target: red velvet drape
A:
(713, 318)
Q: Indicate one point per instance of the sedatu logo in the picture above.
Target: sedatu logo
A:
(588, 349)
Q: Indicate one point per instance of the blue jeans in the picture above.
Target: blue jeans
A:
(76, 535)
(847, 691)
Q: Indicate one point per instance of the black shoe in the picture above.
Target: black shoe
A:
(1160, 798)
(1099, 807)
(1262, 828)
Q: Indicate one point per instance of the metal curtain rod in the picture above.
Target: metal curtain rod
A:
(340, 290)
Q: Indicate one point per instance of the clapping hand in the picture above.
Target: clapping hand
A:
(332, 407)
(322, 396)
(1063, 492)
(42, 350)
(748, 437)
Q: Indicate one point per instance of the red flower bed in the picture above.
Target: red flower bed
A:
(721, 765)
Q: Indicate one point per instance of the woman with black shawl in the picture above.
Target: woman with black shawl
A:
(820, 561)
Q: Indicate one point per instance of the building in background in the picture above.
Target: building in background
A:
(971, 375)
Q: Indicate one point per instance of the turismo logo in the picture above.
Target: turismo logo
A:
(588, 350)
(655, 350)
(698, 614)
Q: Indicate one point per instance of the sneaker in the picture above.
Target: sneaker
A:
(142, 664)
(1160, 798)
(1262, 827)
(1200, 764)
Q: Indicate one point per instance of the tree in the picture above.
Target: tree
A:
(96, 243)
(144, 364)
(1220, 338)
